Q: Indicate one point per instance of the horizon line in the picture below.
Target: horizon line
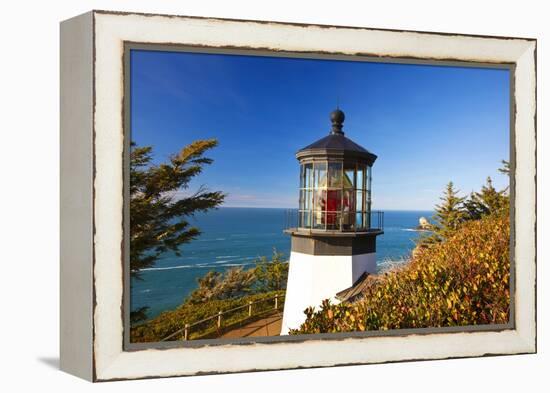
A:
(295, 208)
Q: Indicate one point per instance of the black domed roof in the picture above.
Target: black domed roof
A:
(337, 144)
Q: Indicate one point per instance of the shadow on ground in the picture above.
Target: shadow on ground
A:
(52, 362)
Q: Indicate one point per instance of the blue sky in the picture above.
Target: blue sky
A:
(427, 124)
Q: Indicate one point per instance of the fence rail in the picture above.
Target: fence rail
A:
(186, 330)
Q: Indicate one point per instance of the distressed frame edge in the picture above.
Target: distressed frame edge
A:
(76, 196)
(305, 24)
(525, 117)
(529, 340)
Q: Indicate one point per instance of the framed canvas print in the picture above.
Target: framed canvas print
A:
(246, 195)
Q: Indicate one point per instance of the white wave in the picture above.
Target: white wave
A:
(388, 264)
(233, 260)
(227, 256)
(221, 263)
(167, 268)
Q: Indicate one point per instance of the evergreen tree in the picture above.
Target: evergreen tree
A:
(472, 206)
(486, 202)
(158, 219)
(449, 215)
(505, 169)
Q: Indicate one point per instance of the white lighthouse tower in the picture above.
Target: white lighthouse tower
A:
(334, 242)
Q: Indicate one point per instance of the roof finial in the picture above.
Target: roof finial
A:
(337, 118)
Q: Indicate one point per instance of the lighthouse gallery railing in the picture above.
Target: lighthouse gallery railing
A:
(376, 221)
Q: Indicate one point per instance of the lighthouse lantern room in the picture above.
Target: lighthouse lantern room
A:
(334, 242)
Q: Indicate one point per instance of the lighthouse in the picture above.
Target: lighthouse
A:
(334, 242)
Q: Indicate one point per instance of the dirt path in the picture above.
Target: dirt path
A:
(268, 326)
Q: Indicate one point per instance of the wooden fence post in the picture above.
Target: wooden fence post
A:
(186, 332)
(276, 301)
(249, 308)
(219, 319)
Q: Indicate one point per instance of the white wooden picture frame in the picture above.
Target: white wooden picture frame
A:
(93, 344)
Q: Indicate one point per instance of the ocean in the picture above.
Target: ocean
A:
(238, 237)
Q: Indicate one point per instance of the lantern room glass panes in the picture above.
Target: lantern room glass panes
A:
(334, 174)
(335, 195)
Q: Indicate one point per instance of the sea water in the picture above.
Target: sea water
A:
(239, 237)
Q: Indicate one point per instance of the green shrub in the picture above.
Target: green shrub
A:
(462, 281)
(265, 276)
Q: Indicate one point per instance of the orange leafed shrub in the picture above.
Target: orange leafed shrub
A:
(462, 281)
